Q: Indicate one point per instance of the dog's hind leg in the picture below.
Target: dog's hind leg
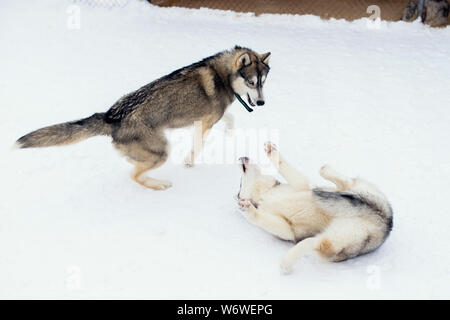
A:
(142, 167)
(293, 177)
(347, 238)
(342, 182)
(303, 248)
(146, 154)
(342, 242)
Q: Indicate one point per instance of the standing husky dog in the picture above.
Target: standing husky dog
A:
(337, 224)
(199, 92)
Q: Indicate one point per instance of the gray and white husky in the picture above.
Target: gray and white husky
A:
(336, 224)
(198, 93)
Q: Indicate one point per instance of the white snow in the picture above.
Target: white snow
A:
(369, 101)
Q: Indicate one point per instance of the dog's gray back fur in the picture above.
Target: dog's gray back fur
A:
(353, 203)
(175, 100)
(179, 98)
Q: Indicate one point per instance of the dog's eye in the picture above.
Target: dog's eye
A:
(250, 82)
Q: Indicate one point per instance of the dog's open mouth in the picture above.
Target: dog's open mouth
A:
(250, 100)
(244, 162)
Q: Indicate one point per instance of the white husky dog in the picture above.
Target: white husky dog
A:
(336, 224)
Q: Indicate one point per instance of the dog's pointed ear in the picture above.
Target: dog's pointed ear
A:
(244, 60)
(265, 57)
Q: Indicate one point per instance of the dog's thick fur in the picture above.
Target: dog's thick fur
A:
(337, 224)
(434, 13)
(199, 92)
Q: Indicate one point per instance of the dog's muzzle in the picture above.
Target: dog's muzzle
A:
(244, 162)
(250, 100)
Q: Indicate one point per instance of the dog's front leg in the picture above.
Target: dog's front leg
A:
(273, 224)
(248, 209)
(293, 177)
(201, 131)
(229, 122)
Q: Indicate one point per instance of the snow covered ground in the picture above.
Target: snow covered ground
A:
(369, 101)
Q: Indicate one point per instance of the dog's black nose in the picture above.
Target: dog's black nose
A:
(260, 102)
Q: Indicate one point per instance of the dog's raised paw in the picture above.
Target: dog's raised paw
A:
(324, 169)
(270, 147)
(248, 209)
(244, 204)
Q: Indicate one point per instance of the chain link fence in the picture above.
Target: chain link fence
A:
(340, 9)
(432, 12)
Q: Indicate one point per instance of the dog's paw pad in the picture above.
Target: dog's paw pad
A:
(244, 204)
(270, 147)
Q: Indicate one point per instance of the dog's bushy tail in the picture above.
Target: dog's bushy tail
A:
(66, 133)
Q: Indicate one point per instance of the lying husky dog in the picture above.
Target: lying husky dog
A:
(199, 92)
(337, 224)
